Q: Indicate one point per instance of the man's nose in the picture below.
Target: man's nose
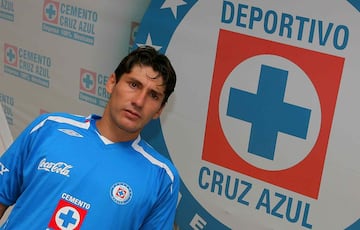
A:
(140, 98)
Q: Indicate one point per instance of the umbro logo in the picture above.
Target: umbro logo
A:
(70, 132)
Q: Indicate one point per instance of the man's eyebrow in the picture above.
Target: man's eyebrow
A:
(159, 89)
(159, 92)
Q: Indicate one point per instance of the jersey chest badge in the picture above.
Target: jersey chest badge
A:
(121, 193)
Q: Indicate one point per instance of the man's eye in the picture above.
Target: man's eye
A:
(133, 84)
(154, 95)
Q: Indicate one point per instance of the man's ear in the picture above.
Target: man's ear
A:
(111, 82)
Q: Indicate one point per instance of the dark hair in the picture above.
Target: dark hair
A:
(148, 56)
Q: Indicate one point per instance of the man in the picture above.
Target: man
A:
(73, 172)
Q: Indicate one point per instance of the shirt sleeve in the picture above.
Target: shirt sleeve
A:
(12, 163)
(162, 216)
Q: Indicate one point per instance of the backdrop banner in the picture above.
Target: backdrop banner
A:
(263, 125)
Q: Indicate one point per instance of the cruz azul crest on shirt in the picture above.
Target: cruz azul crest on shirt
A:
(121, 193)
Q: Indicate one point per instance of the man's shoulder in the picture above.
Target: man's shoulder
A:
(61, 115)
(59, 118)
(158, 159)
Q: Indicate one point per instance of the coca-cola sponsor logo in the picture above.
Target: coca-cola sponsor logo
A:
(61, 168)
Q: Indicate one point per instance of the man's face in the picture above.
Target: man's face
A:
(135, 99)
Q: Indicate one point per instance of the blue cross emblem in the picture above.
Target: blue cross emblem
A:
(267, 112)
(50, 11)
(68, 218)
(10, 55)
(121, 193)
(88, 81)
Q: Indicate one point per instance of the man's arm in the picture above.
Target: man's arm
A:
(2, 209)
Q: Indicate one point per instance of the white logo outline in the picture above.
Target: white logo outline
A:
(3, 169)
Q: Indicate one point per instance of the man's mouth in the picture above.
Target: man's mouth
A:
(132, 114)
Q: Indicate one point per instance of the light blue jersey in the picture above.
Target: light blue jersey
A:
(62, 175)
